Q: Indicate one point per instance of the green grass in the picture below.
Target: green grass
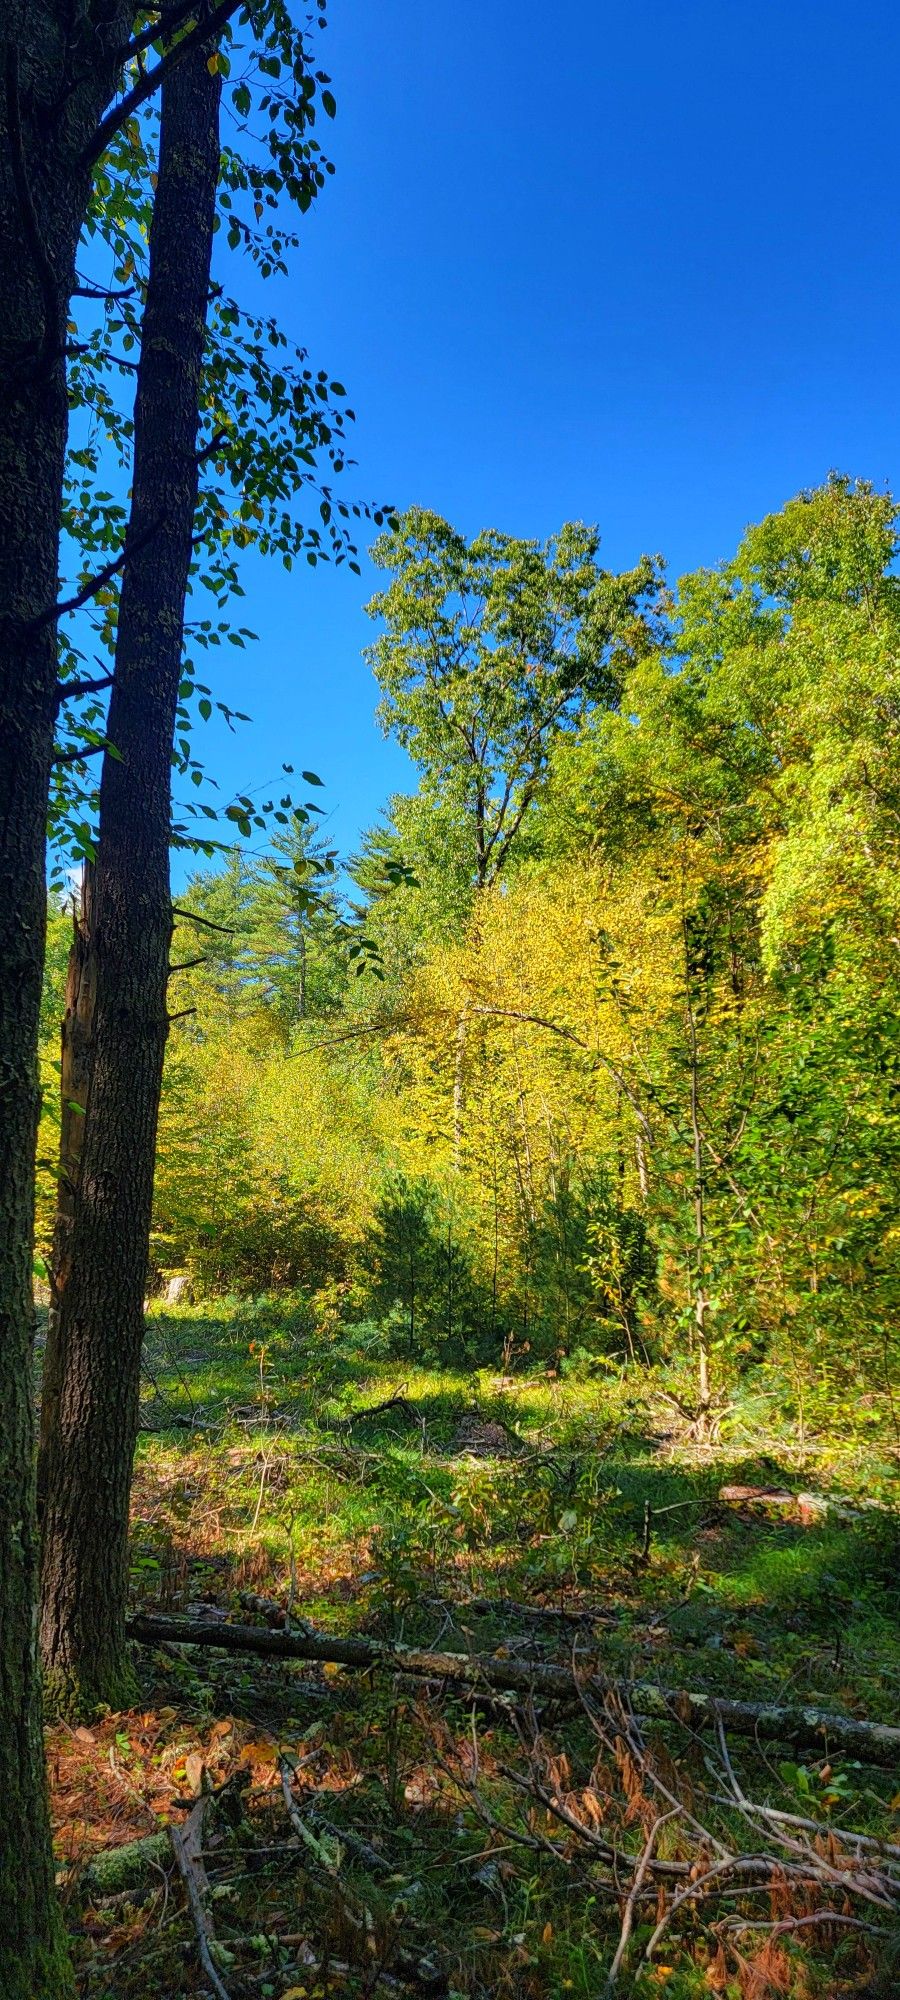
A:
(384, 1524)
(378, 1507)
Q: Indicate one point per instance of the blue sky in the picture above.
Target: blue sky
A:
(635, 264)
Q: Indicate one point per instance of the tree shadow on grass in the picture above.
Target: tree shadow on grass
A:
(586, 1513)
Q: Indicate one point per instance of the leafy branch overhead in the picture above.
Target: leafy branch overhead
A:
(275, 430)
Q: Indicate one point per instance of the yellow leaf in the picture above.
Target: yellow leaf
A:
(213, 64)
(259, 1753)
(547, 1934)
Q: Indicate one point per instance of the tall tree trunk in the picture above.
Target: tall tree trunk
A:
(57, 72)
(90, 1454)
(459, 1089)
(32, 439)
(75, 1056)
(701, 1296)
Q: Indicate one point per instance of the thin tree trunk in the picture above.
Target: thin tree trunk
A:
(459, 1062)
(57, 72)
(75, 1052)
(89, 1459)
(701, 1300)
(527, 1180)
(449, 1278)
(301, 1008)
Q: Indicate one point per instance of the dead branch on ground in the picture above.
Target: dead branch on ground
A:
(872, 1742)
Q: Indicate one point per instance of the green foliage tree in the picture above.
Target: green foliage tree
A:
(491, 650)
(670, 1129)
(419, 1275)
(282, 936)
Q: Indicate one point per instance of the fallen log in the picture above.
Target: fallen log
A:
(511, 1607)
(396, 1402)
(810, 1509)
(131, 1866)
(808, 1727)
(458, 1607)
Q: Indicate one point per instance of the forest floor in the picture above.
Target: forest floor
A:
(367, 1833)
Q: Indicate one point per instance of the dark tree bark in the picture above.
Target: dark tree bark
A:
(88, 1461)
(58, 67)
(76, 1042)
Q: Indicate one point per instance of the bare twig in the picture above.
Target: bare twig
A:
(166, 21)
(841, 1833)
(192, 917)
(96, 582)
(80, 753)
(186, 1844)
(633, 1894)
(262, 1487)
(601, 1847)
(73, 690)
(738, 1924)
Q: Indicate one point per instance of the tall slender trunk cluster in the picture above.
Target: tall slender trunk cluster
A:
(87, 1461)
(58, 68)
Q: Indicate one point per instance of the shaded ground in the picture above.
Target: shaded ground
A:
(260, 1473)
